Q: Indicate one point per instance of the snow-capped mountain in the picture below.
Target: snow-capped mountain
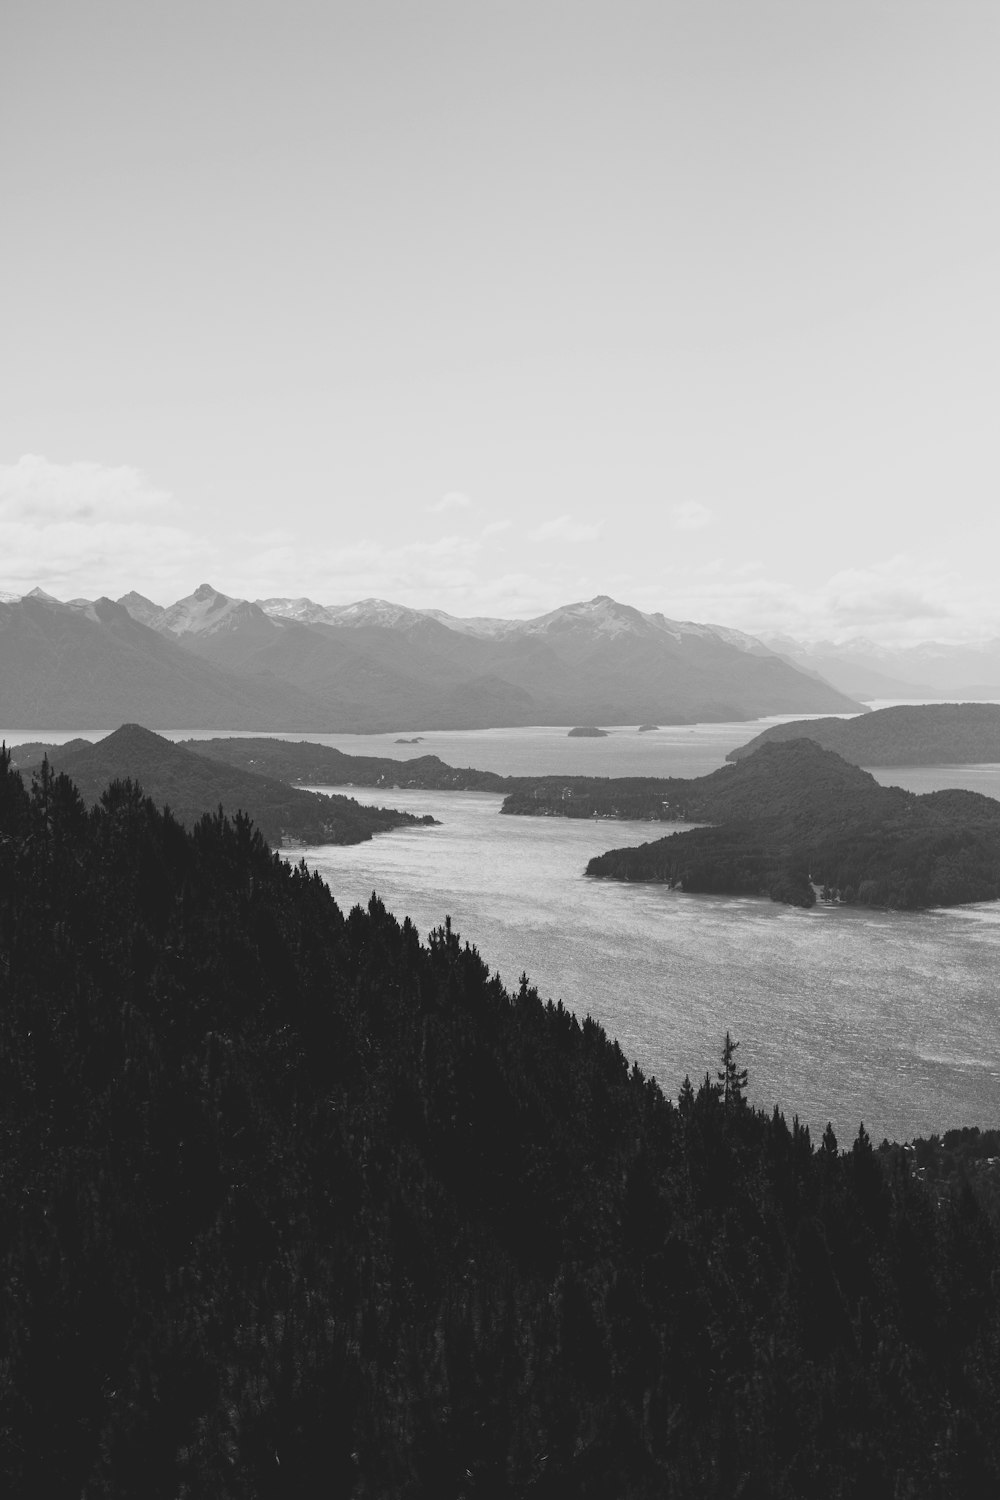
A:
(380, 665)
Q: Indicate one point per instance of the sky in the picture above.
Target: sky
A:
(492, 305)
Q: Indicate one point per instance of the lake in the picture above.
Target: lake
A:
(844, 1015)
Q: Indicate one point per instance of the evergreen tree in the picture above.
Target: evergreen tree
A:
(732, 1078)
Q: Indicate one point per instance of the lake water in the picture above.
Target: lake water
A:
(843, 1015)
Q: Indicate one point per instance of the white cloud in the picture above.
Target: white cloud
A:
(38, 492)
(690, 515)
(565, 529)
(88, 529)
(494, 528)
(900, 600)
(453, 500)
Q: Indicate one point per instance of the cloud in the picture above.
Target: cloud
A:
(494, 528)
(565, 529)
(86, 528)
(37, 492)
(897, 590)
(416, 572)
(453, 500)
(899, 600)
(690, 515)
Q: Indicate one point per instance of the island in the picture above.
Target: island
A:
(587, 732)
(646, 728)
(794, 821)
(922, 734)
(191, 785)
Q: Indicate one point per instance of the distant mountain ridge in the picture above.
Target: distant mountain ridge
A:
(925, 734)
(864, 669)
(212, 661)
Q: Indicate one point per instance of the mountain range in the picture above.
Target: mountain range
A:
(212, 661)
(864, 669)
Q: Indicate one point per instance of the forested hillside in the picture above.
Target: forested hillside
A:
(294, 1204)
(793, 816)
(191, 785)
(305, 760)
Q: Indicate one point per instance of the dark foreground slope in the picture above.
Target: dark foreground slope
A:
(190, 785)
(793, 816)
(921, 734)
(293, 1205)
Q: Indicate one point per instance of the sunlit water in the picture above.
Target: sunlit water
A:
(842, 1015)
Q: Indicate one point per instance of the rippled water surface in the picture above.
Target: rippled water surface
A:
(889, 1018)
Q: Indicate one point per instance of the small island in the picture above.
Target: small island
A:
(588, 732)
(417, 739)
(647, 728)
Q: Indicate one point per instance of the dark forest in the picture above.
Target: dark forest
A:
(295, 1204)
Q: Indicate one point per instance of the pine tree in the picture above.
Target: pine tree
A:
(732, 1079)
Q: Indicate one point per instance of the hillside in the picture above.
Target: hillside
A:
(794, 816)
(192, 785)
(302, 1205)
(304, 760)
(926, 734)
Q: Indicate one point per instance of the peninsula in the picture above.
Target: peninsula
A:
(794, 818)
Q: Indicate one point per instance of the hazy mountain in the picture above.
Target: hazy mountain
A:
(865, 669)
(94, 664)
(375, 666)
(591, 660)
(926, 734)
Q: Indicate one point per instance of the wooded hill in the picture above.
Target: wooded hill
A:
(191, 785)
(295, 1204)
(923, 734)
(304, 760)
(793, 816)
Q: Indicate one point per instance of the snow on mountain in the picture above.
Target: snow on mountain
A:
(600, 616)
(304, 611)
(207, 612)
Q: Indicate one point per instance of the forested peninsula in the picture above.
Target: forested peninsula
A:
(922, 734)
(192, 785)
(307, 761)
(295, 1203)
(794, 817)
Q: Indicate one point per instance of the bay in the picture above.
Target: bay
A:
(842, 1015)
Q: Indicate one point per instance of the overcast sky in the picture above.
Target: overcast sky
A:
(493, 306)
